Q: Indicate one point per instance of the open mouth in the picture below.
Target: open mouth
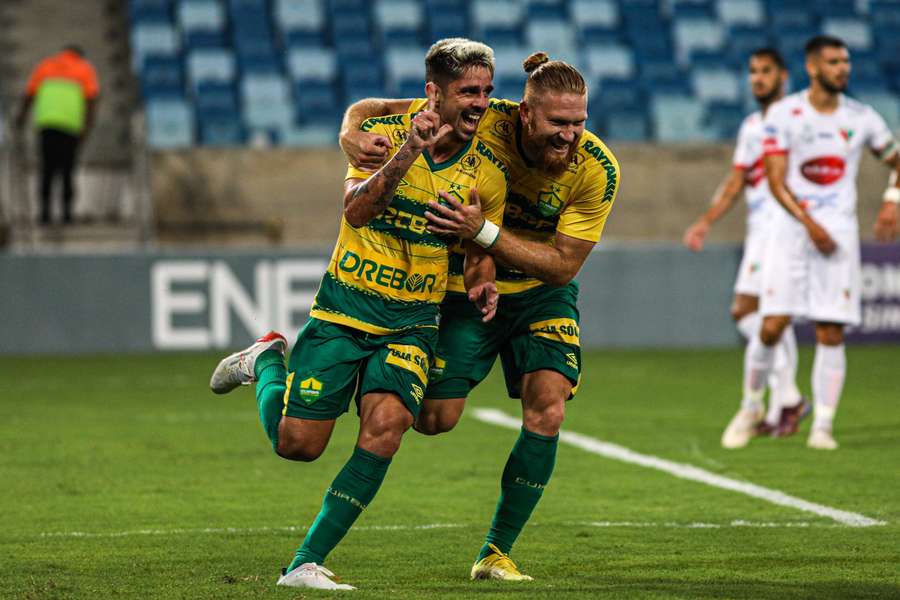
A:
(471, 119)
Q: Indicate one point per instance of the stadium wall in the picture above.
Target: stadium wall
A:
(292, 197)
(631, 296)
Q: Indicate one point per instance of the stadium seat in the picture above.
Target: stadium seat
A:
(741, 12)
(615, 94)
(202, 15)
(452, 23)
(215, 98)
(715, 84)
(595, 14)
(834, 8)
(162, 76)
(404, 65)
(309, 136)
(210, 65)
(312, 64)
(497, 19)
(556, 38)
(609, 61)
(690, 34)
(170, 124)
(886, 104)
(626, 126)
(742, 41)
(791, 17)
(299, 16)
(158, 39)
(149, 11)
(315, 99)
(724, 119)
(855, 32)
(221, 132)
(885, 13)
(398, 21)
(200, 38)
(678, 119)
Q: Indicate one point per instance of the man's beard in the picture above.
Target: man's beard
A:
(829, 87)
(550, 164)
(768, 97)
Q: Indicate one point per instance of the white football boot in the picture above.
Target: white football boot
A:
(821, 439)
(311, 575)
(743, 426)
(237, 369)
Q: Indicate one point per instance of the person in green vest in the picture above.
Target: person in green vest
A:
(63, 91)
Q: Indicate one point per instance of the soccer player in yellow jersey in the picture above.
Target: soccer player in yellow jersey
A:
(562, 183)
(373, 326)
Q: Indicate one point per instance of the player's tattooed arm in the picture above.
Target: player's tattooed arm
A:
(363, 201)
(367, 151)
(776, 172)
(723, 201)
(886, 224)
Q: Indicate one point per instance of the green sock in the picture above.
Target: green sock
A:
(526, 474)
(270, 376)
(350, 492)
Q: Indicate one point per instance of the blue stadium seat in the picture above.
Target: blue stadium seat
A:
(789, 17)
(314, 99)
(509, 77)
(678, 119)
(310, 136)
(834, 8)
(662, 71)
(222, 131)
(595, 14)
(742, 41)
(305, 18)
(200, 38)
(556, 38)
(651, 44)
(170, 123)
(398, 21)
(312, 64)
(741, 12)
(885, 13)
(609, 61)
(352, 92)
(628, 125)
(210, 65)
(498, 22)
(691, 10)
(273, 116)
(202, 15)
(162, 76)
(451, 23)
(404, 66)
(149, 11)
(615, 94)
(855, 32)
(716, 84)
(724, 119)
(690, 34)
(158, 39)
(215, 98)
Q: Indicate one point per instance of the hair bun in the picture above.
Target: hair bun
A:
(534, 61)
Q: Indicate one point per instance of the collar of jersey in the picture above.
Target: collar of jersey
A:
(450, 161)
(519, 147)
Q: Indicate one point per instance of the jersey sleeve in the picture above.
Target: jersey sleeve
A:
(742, 158)
(775, 131)
(36, 77)
(372, 127)
(880, 137)
(585, 217)
(417, 105)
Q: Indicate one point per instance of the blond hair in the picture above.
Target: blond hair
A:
(448, 59)
(545, 75)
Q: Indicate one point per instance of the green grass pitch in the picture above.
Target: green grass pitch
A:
(124, 477)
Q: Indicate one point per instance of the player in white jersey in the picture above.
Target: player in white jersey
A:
(767, 75)
(813, 144)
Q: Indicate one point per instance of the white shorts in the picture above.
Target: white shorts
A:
(749, 276)
(800, 281)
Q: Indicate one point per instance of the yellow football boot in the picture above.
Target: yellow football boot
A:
(498, 565)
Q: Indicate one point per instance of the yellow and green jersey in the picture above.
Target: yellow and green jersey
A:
(392, 273)
(575, 203)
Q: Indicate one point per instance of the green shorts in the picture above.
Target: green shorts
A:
(535, 329)
(331, 364)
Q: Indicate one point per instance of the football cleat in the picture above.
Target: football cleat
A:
(311, 575)
(791, 417)
(820, 439)
(498, 565)
(742, 428)
(237, 369)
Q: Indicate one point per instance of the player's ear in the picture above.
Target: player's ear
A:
(524, 112)
(433, 93)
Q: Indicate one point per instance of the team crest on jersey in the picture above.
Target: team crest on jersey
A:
(549, 202)
(846, 134)
(808, 136)
(454, 190)
(577, 161)
(504, 128)
(400, 136)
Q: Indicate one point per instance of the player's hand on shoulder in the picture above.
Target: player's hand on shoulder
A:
(364, 150)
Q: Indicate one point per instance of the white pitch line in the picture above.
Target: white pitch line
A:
(684, 471)
(432, 526)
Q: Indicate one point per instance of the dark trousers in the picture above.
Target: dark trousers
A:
(58, 150)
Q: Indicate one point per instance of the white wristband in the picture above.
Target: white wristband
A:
(488, 234)
(892, 195)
